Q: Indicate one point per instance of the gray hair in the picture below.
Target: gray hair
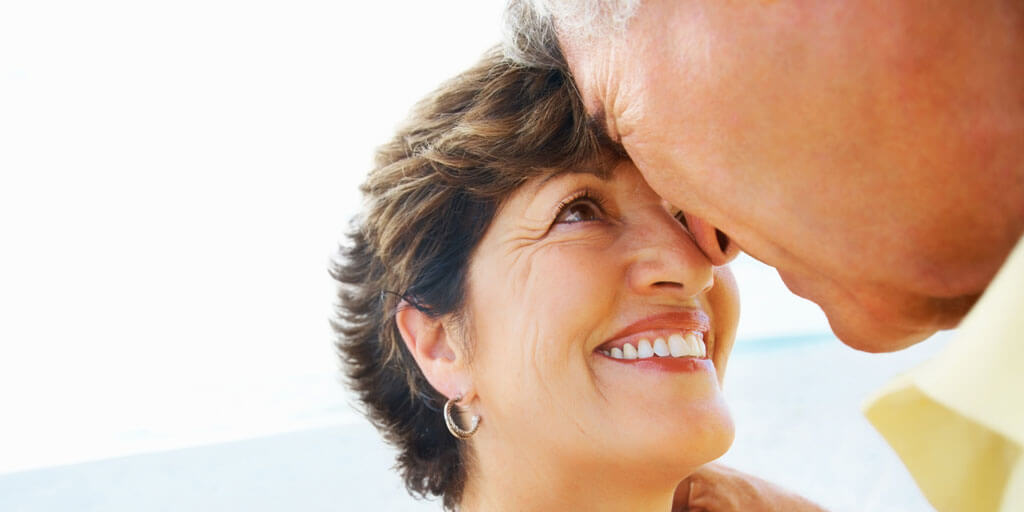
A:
(530, 35)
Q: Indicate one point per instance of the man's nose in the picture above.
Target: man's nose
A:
(716, 245)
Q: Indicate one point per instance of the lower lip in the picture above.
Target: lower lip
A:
(667, 364)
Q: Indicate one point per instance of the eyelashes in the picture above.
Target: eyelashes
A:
(588, 205)
(583, 206)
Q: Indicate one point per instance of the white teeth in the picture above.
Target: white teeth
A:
(628, 352)
(644, 349)
(690, 344)
(660, 347)
(692, 347)
(677, 346)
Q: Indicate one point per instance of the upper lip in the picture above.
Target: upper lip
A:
(690, 320)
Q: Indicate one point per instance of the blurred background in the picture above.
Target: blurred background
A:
(174, 178)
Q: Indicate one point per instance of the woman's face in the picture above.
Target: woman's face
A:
(571, 270)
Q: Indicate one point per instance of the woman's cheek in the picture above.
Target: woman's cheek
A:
(577, 278)
(725, 296)
(724, 303)
(571, 301)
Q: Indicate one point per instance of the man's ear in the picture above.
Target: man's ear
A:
(438, 354)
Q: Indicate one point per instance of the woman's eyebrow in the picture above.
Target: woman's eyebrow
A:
(601, 170)
(601, 174)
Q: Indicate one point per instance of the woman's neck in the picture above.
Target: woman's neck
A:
(503, 479)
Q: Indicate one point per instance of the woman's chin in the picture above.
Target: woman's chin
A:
(703, 432)
(675, 430)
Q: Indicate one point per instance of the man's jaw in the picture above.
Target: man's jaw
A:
(879, 319)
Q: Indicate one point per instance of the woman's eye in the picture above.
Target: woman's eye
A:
(581, 210)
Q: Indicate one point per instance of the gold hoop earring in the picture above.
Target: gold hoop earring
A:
(453, 427)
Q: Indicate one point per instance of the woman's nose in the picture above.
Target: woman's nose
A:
(718, 247)
(665, 259)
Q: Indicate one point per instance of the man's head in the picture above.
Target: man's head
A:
(871, 151)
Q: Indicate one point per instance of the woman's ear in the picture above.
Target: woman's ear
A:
(439, 356)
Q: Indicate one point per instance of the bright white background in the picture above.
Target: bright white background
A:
(174, 177)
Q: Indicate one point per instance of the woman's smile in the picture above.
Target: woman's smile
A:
(673, 341)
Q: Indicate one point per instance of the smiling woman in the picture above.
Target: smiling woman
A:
(516, 277)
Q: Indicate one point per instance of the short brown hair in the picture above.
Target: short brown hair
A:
(434, 191)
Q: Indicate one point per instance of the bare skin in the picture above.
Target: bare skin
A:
(716, 488)
(871, 151)
(567, 266)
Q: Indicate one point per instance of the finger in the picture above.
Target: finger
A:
(681, 499)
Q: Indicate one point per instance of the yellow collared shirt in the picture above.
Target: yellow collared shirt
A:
(957, 421)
